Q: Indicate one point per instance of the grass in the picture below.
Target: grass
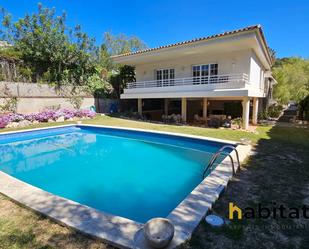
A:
(279, 171)
(24, 229)
(216, 133)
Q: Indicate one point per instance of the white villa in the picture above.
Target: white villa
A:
(214, 75)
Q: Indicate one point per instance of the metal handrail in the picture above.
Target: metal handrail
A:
(198, 80)
(234, 149)
(218, 153)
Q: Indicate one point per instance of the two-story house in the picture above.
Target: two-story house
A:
(210, 75)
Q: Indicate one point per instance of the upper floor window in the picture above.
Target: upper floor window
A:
(204, 74)
(213, 69)
(165, 77)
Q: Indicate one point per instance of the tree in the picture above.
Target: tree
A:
(292, 75)
(99, 86)
(118, 81)
(120, 44)
(272, 54)
(104, 59)
(54, 52)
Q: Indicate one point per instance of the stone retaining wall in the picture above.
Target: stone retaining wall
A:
(33, 97)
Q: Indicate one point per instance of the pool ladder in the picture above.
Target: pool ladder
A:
(220, 152)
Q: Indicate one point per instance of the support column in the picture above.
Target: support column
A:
(184, 110)
(205, 105)
(245, 112)
(140, 106)
(255, 110)
(166, 102)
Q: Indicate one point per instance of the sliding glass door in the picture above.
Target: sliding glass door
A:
(165, 77)
(204, 74)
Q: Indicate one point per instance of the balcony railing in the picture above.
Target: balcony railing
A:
(218, 81)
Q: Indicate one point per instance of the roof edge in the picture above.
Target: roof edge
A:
(257, 27)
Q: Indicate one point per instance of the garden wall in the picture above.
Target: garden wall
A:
(33, 97)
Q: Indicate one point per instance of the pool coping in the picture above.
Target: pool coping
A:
(119, 231)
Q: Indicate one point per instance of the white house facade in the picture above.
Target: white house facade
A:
(204, 74)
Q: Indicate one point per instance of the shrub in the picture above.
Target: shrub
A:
(15, 117)
(274, 111)
(30, 117)
(237, 121)
(25, 73)
(304, 108)
(9, 101)
(99, 87)
(263, 115)
(45, 116)
(84, 113)
(4, 120)
(67, 113)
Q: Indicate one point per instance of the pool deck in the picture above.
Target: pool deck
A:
(119, 231)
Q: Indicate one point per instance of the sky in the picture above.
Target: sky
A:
(285, 23)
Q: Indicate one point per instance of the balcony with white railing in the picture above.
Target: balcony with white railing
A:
(211, 82)
(181, 86)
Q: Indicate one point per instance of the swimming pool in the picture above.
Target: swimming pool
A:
(136, 175)
(108, 181)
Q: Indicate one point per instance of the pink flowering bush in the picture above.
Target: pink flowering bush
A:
(84, 113)
(4, 120)
(15, 117)
(30, 117)
(11, 117)
(67, 113)
(45, 116)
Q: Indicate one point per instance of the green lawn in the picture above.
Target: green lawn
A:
(278, 172)
(216, 133)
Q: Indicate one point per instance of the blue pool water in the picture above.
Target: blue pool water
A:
(137, 175)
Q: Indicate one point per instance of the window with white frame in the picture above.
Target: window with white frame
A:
(165, 77)
(204, 74)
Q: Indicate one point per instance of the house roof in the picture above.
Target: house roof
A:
(227, 33)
